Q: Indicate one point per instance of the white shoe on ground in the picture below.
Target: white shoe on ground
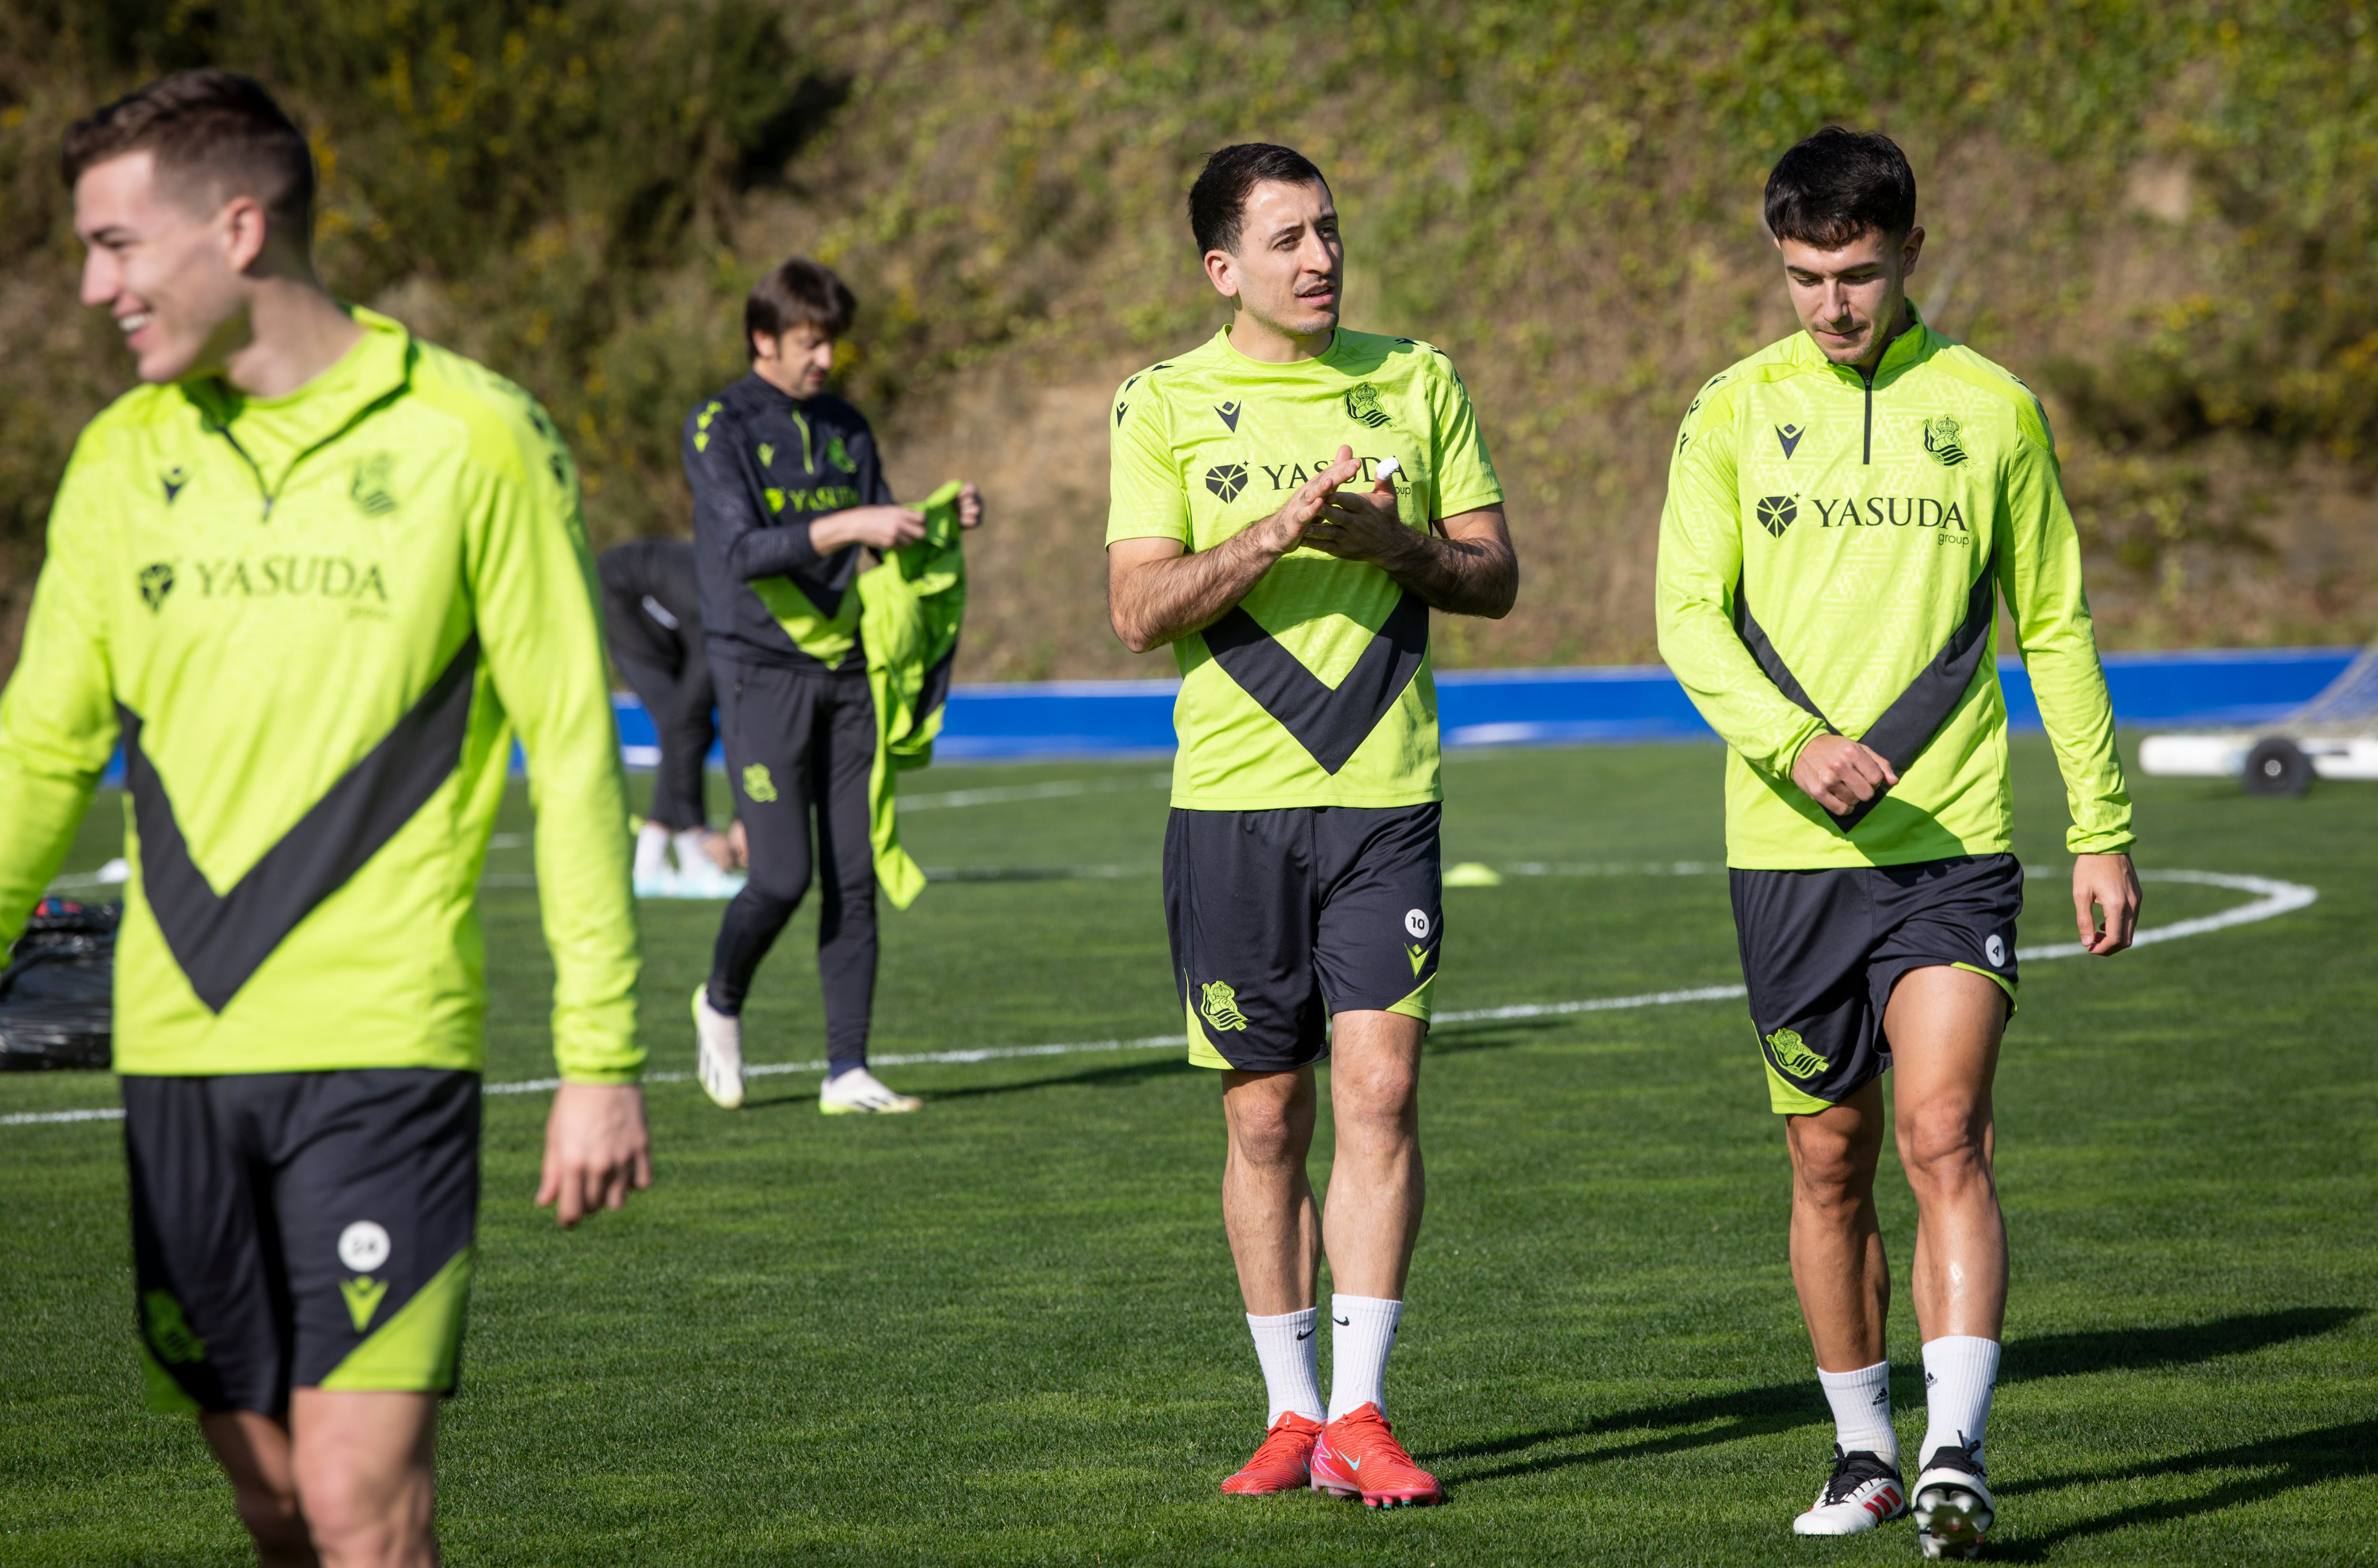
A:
(1863, 1492)
(1954, 1506)
(719, 1061)
(860, 1091)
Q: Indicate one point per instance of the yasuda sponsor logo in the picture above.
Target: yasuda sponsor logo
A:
(824, 498)
(289, 576)
(1890, 511)
(1294, 475)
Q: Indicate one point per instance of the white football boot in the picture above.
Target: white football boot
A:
(719, 1062)
(1954, 1506)
(858, 1091)
(1863, 1492)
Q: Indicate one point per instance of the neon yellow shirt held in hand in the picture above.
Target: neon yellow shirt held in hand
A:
(1317, 688)
(317, 622)
(912, 605)
(1830, 556)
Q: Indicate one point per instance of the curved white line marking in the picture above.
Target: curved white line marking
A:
(2273, 898)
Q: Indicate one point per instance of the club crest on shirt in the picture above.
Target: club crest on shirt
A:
(1362, 406)
(1940, 439)
(369, 489)
(838, 456)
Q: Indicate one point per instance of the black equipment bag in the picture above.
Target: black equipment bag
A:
(56, 996)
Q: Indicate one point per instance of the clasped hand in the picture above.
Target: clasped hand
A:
(1353, 525)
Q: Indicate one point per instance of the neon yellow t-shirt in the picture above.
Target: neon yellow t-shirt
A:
(1316, 689)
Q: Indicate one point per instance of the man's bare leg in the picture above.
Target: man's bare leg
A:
(1377, 1186)
(365, 1468)
(1275, 1234)
(1838, 1267)
(1944, 1026)
(255, 1453)
(1267, 1207)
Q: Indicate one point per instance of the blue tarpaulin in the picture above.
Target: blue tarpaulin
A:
(1612, 704)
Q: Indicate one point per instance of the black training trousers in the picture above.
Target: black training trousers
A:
(795, 740)
(670, 671)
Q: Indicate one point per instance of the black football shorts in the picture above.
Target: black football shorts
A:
(301, 1230)
(1282, 918)
(1822, 949)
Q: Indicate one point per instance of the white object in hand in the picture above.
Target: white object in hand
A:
(1387, 469)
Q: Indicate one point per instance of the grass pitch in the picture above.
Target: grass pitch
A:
(1006, 1330)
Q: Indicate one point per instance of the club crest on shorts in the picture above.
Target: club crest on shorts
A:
(1792, 1056)
(1416, 921)
(1218, 1005)
(169, 1332)
(1995, 951)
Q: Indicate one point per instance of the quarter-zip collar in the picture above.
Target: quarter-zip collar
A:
(1911, 348)
(769, 395)
(274, 435)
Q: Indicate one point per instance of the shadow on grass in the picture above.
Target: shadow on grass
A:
(1760, 1412)
(1104, 1077)
(2276, 1465)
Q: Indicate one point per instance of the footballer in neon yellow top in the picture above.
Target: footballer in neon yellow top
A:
(314, 575)
(1291, 502)
(1213, 442)
(1845, 509)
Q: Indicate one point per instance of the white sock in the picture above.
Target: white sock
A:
(1363, 1330)
(1287, 1346)
(652, 849)
(1959, 1372)
(1861, 1402)
(691, 857)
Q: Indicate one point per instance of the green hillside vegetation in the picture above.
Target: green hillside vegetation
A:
(2162, 215)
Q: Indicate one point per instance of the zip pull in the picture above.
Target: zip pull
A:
(1868, 459)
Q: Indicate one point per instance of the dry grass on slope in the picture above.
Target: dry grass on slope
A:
(2161, 215)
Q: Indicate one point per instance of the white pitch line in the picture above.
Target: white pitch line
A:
(2273, 898)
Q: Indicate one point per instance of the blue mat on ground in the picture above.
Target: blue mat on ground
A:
(1612, 704)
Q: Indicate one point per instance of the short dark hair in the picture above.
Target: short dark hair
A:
(213, 128)
(1837, 184)
(1219, 200)
(801, 293)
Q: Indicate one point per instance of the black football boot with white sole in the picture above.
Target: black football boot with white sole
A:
(1952, 1503)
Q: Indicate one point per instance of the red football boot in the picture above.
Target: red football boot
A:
(1282, 1463)
(1358, 1456)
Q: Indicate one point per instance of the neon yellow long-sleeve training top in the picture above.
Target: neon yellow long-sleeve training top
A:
(1831, 555)
(316, 622)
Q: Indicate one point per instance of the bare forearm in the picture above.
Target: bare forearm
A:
(1461, 576)
(1163, 600)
